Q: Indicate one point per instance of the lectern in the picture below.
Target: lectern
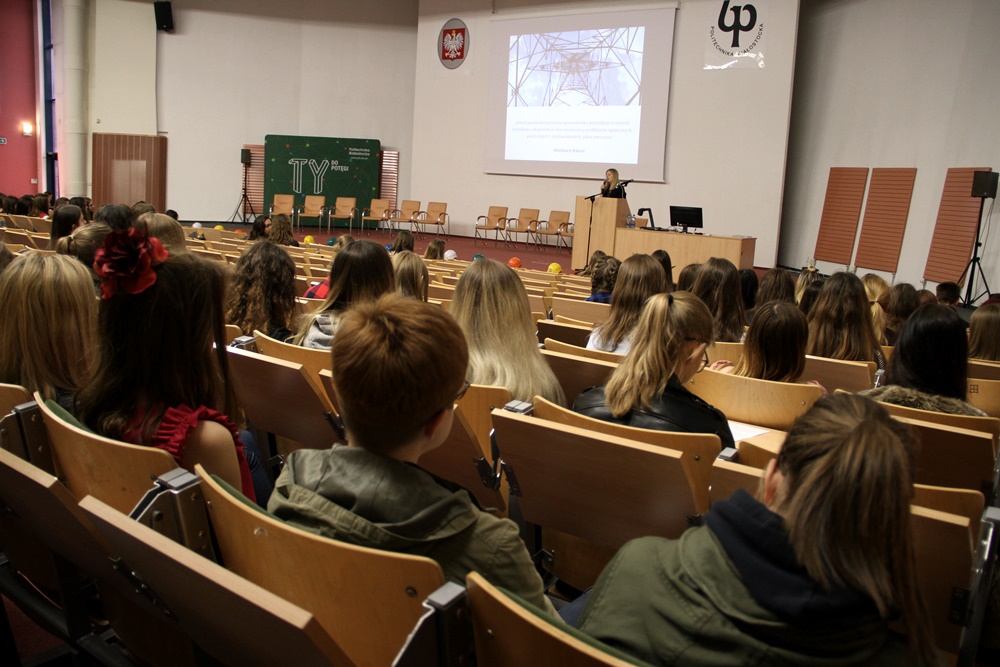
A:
(594, 226)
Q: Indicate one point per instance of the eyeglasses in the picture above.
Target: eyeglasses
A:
(449, 404)
(704, 354)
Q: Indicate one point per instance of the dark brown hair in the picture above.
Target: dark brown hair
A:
(718, 285)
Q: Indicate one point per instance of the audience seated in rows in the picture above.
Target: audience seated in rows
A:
(808, 574)
(361, 272)
(49, 326)
(639, 278)
(412, 278)
(401, 365)
(647, 389)
(603, 279)
(927, 369)
(162, 375)
(718, 286)
(491, 307)
(262, 293)
(840, 324)
(984, 333)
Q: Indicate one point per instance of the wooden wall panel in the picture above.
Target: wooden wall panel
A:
(845, 190)
(389, 185)
(886, 211)
(955, 229)
(129, 168)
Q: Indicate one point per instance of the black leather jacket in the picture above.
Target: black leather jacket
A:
(676, 409)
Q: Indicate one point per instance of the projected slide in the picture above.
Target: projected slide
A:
(572, 95)
(575, 96)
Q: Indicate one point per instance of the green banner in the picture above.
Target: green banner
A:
(324, 166)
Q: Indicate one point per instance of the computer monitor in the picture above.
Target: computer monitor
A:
(686, 216)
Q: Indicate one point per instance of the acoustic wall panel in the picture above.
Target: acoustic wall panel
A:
(886, 210)
(845, 190)
(955, 229)
(129, 168)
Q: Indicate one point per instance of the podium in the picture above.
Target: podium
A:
(595, 225)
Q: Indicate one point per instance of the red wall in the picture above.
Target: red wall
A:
(19, 156)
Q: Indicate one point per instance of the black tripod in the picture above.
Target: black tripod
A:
(975, 262)
(244, 200)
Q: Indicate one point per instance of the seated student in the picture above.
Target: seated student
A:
(412, 278)
(749, 286)
(262, 292)
(261, 228)
(775, 346)
(639, 277)
(984, 333)
(435, 250)
(166, 229)
(903, 301)
(807, 276)
(663, 257)
(718, 286)
(66, 220)
(116, 216)
(281, 231)
(776, 285)
(48, 330)
(949, 293)
(162, 375)
(840, 322)
(491, 307)
(404, 241)
(321, 289)
(596, 256)
(401, 366)
(685, 281)
(806, 575)
(83, 244)
(603, 279)
(647, 389)
(360, 272)
(927, 369)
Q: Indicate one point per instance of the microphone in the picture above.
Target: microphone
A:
(626, 182)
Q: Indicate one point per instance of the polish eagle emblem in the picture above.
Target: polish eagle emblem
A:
(453, 44)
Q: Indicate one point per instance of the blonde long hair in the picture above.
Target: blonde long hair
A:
(841, 459)
(412, 278)
(639, 278)
(657, 353)
(492, 308)
(879, 293)
(48, 332)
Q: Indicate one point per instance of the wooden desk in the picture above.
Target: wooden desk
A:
(684, 249)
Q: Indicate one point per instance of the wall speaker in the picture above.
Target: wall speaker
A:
(984, 184)
(164, 15)
(245, 156)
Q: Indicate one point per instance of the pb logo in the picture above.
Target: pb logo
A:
(737, 26)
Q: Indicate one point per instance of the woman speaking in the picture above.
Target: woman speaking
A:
(612, 187)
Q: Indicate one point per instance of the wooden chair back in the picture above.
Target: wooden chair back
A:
(232, 333)
(570, 334)
(562, 319)
(722, 351)
(698, 450)
(436, 211)
(21, 237)
(728, 476)
(566, 348)
(11, 395)
(834, 374)
(435, 291)
(524, 217)
(983, 370)
(495, 215)
(377, 209)
(344, 207)
(953, 457)
(313, 206)
(283, 205)
(557, 218)
(509, 634)
(114, 472)
(41, 225)
(231, 619)
(601, 488)
(577, 373)
(963, 502)
(367, 600)
(407, 210)
(282, 398)
(760, 402)
(990, 425)
(313, 360)
(985, 395)
(585, 311)
(47, 513)
(944, 557)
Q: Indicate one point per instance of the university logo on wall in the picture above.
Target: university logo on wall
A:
(453, 43)
(736, 35)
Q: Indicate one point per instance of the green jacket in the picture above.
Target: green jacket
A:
(682, 602)
(357, 496)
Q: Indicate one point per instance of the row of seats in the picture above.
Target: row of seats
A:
(379, 215)
(527, 222)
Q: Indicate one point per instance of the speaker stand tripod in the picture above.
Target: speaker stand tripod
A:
(975, 262)
(244, 202)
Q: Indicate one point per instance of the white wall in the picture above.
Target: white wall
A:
(726, 131)
(233, 72)
(891, 83)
